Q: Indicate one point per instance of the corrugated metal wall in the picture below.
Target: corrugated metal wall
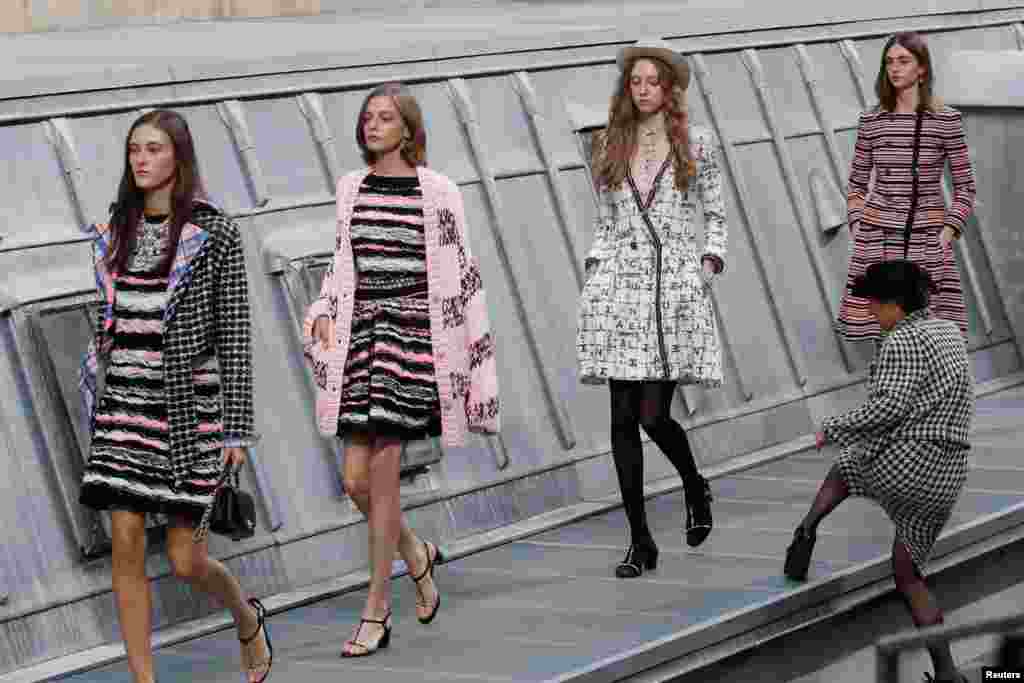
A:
(514, 137)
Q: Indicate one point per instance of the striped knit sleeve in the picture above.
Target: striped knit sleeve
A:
(234, 335)
(860, 173)
(964, 188)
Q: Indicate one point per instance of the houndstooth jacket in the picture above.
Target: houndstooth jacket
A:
(207, 314)
(919, 389)
(463, 350)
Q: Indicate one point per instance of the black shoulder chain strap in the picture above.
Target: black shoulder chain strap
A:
(913, 191)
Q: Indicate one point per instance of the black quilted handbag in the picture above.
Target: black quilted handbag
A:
(232, 512)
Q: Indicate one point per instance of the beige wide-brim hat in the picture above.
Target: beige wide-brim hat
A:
(658, 49)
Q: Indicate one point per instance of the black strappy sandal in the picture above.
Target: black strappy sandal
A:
(261, 620)
(431, 561)
(382, 642)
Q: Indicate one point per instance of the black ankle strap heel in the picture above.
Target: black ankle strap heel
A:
(382, 642)
(638, 558)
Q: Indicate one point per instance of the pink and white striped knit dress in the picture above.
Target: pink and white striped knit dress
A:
(389, 384)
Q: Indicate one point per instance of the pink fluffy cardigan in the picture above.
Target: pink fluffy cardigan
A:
(463, 346)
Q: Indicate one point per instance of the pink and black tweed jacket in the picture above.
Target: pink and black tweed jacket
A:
(463, 345)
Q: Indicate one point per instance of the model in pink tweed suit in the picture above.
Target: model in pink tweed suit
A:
(464, 359)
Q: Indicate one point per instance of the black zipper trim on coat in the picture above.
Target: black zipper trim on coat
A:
(913, 191)
(644, 206)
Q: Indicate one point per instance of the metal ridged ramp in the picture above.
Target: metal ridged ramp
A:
(537, 602)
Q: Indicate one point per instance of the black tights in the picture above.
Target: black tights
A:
(647, 405)
(910, 584)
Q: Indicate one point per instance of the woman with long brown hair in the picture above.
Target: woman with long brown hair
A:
(172, 353)
(645, 321)
(399, 340)
(907, 140)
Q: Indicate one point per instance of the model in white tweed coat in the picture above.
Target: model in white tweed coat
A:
(645, 312)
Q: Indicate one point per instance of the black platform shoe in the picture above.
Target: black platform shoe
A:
(698, 512)
(638, 558)
(798, 555)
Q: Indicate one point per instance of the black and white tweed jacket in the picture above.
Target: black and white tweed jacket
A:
(920, 388)
(207, 314)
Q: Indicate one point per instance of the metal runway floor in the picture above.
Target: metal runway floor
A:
(548, 608)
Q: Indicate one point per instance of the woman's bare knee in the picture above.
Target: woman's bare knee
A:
(356, 486)
(187, 558)
(356, 472)
(128, 538)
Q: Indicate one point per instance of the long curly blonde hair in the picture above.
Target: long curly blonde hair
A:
(613, 148)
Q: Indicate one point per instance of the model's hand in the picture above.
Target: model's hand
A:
(322, 330)
(947, 236)
(820, 440)
(233, 456)
(708, 271)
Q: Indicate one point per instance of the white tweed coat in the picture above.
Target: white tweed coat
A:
(645, 312)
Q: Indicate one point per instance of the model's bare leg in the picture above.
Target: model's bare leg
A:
(191, 561)
(385, 522)
(410, 547)
(379, 492)
(131, 591)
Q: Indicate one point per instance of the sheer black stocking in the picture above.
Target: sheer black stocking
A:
(647, 405)
(923, 608)
(833, 491)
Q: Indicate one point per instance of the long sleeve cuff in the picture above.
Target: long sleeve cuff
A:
(241, 441)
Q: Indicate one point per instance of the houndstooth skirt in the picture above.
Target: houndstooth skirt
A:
(916, 483)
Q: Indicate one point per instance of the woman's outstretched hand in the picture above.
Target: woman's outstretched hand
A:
(233, 456)
(947, 236)
(322, 330)
(708, 271)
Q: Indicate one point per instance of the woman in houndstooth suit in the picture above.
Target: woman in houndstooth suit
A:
(906, 447)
